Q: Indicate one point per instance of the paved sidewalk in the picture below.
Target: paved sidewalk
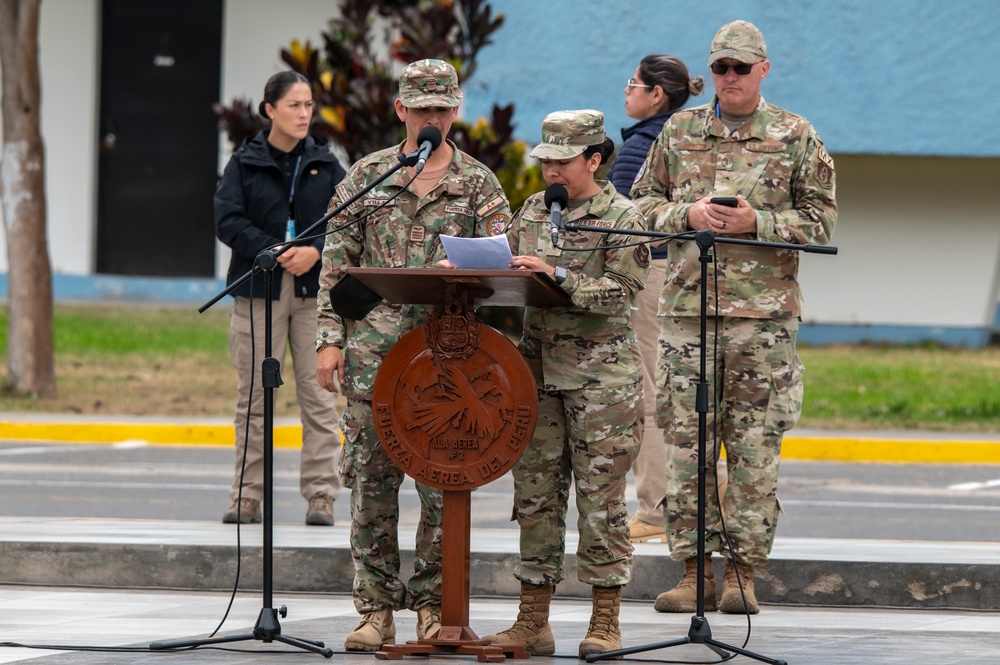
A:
(799, 636)
(101, 582)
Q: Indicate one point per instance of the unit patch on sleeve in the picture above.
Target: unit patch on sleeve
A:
(497, 224)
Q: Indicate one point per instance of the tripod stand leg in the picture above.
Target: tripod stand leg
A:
(618, 653)
(169, 645)
(266, 630)
(308, 645)
(269, 630)
(718, 647)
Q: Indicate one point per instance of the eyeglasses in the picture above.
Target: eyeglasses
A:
(632, 84)
(741, 69)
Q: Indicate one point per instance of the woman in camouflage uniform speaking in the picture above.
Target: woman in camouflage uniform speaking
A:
(585, 360)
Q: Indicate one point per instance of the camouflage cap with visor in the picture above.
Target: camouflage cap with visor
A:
(739, 40)
(566, 134)
(427, 83)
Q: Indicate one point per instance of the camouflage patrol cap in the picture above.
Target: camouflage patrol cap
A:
(567, 134)
(739, 40)
(426, 83)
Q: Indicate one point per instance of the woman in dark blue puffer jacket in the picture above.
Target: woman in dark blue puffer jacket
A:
(660, 86)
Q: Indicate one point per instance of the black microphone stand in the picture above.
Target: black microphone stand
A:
(267, 629)
(699, 632)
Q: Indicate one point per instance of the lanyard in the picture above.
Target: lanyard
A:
(291, 191)
(290, 224)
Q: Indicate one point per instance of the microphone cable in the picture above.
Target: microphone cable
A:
(716, 426)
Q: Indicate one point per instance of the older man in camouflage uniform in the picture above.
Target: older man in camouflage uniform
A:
(396, 226)
(586, 363)
(775, 165)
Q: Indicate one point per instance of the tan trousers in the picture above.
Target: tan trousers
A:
(650, 466)
(294, 328)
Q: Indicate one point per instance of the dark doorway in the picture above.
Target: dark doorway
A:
(160, 64)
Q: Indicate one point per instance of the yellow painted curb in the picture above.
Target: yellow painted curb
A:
(856, 449)
(285, 436)
(832, 448)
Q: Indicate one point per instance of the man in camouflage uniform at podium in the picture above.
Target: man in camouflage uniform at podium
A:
(395, 225)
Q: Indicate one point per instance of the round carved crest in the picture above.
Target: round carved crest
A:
(454, 402)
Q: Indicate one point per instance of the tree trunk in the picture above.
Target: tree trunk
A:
(31, 366)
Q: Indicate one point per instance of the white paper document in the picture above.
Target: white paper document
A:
(488, 253)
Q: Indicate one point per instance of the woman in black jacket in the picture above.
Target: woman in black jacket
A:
(278, 182)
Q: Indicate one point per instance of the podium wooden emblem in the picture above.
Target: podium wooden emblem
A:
(455, 406)
(454, 402)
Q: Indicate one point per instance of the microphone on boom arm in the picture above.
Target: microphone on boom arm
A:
(556, 199)
(428, 141)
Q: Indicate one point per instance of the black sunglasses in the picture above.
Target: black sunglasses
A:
(741, 69)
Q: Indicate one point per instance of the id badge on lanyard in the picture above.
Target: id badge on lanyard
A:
(290, 224)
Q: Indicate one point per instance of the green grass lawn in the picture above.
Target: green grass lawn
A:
(879, 387)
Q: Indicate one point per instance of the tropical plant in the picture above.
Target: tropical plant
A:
(354, 81)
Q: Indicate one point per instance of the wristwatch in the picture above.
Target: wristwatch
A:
(560, 275)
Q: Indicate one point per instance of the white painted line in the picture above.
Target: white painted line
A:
(966, 487)
(39, 450)
(131, 443)
(889, 505)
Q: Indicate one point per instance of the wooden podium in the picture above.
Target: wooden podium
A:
(455, 406)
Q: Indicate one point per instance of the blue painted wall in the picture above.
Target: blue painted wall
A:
(898, 77)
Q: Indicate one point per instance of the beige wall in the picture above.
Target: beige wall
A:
(919, 242)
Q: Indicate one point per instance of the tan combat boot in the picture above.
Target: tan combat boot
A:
(603, 635)
(684, 596)
(732, 599)
(428, 621)
(532, 629)
(375, 629)
(644, 532)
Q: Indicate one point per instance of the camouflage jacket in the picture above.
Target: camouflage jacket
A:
(777, 162)
(468, 201)
(593, 342)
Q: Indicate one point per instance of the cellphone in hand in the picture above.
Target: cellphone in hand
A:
(729, 201)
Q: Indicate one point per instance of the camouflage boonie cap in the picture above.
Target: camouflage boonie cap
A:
(567, 134)
(738, 40)
(427, 83)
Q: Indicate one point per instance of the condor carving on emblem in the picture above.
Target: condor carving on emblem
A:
(455, 402)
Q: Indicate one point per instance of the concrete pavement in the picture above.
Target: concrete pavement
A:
(87, 582)
(114, 583)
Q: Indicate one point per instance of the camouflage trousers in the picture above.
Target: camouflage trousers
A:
(755, 395)
(374, 481)
(588, 437)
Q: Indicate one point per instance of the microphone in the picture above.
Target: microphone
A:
(428, 139)
(556, 198)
